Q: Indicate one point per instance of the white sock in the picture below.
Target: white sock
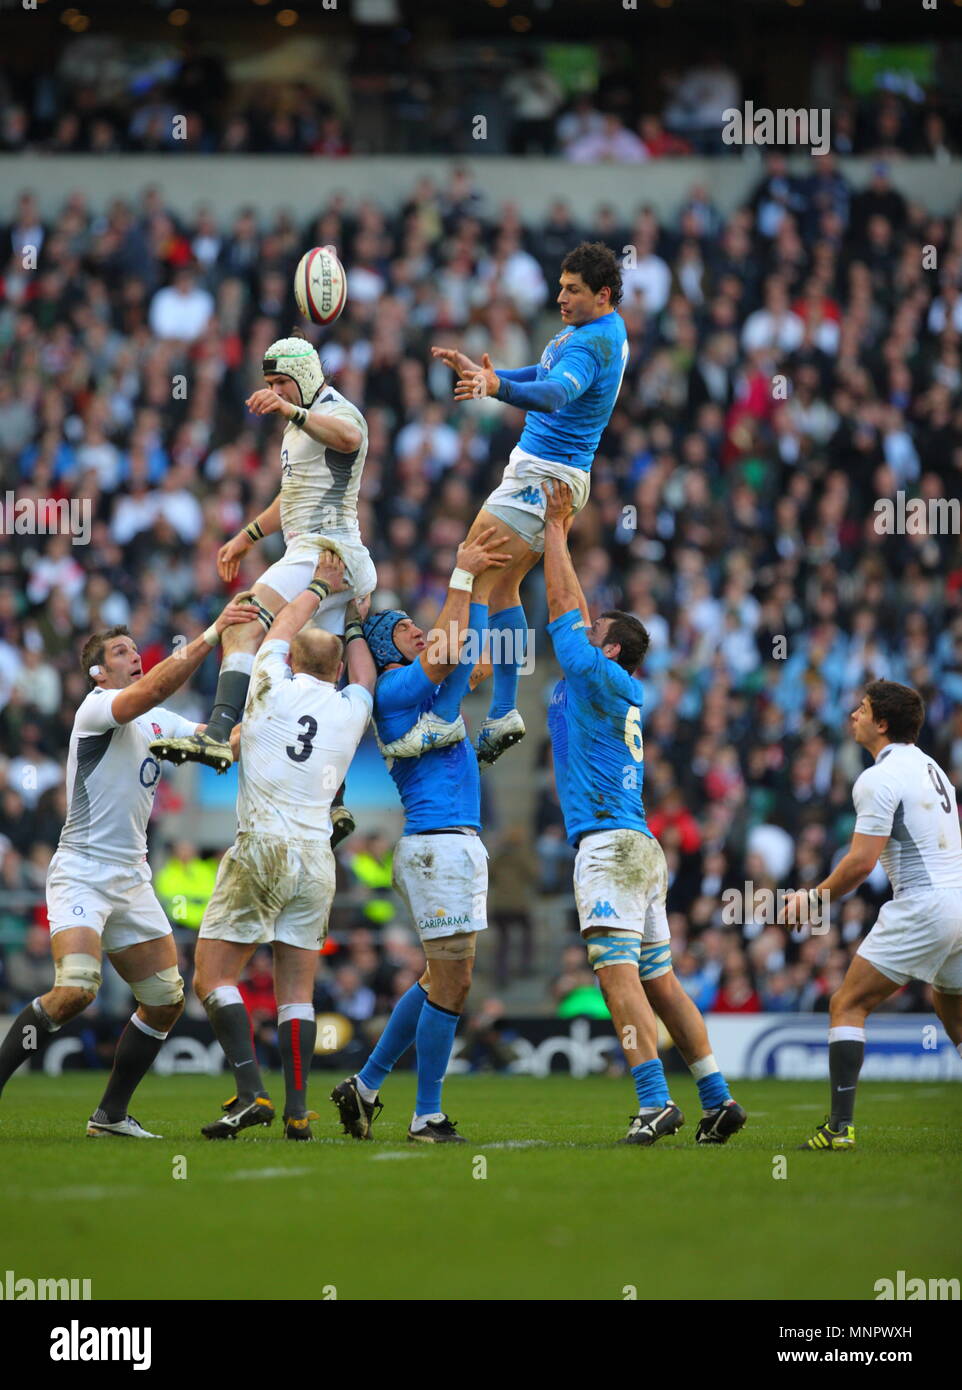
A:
(419, 1121)
(286, 1012)
(365, 1092)
(846, 1034)
(222, 996)
(238, 661)
(138, 1022)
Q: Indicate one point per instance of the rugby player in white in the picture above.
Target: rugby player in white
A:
(322, 457)
(906, 815)
(276, 882)
(99, 893)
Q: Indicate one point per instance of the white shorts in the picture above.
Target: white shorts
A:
(919, 938)
(621, 880)
(519, 499)
(116, 900)
(444, 881)
(269, 889)
(291, 574)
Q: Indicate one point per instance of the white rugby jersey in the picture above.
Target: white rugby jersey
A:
(297, 740)
(111, 778)
(319, 486)
(908, 797)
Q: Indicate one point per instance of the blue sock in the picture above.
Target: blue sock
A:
(396, 1038)
(713, 1090)
(650, 1085)
(513, 627)
(455, 687)
(435, 1039)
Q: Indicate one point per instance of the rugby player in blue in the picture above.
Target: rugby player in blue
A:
(620, 876)
(440, 864)
(569, 396)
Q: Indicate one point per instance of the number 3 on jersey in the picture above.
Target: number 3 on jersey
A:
(306, 740)
(636, 746)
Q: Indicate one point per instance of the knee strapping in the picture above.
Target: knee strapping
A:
(264, 615)
(78, 972)
(616, 947)
(164, 987)
(655, 960)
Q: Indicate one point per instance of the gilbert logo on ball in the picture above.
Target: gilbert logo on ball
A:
(320, 285)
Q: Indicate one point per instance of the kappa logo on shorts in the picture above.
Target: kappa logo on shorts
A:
(532, 495)
(603, 909)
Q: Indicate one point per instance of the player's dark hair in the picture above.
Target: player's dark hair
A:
(94, 647)
(632, 636)
(597, 265)
(901, 707)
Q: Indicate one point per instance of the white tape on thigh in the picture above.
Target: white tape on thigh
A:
(163, 987)
(78, 972)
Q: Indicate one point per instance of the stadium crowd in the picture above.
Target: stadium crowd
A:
(394, 94)
(790, 365)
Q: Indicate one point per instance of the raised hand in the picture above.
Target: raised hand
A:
(458, 361)
(479, 554)
(475, 384)
(229, 556)
(560, 502)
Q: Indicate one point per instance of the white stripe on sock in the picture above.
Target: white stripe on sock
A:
(223, 995)
(138, 1022)
(846, 1035)
(286, 1012)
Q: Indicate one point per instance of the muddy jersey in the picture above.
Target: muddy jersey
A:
(112, 778)
(297, 740)
(319, 486)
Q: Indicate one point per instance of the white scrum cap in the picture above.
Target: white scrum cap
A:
(296, 358)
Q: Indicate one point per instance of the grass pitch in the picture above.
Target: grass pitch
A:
(562, 1213)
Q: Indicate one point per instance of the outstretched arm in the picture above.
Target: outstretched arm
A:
(443, 652)
(564, 591)
(328, 579)
(161, 682)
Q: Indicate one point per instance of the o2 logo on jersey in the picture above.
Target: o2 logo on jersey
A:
(149, 772)
(287, 468)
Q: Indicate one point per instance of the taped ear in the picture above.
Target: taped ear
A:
(93, 671)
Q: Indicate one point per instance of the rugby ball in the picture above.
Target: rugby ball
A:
(320, 285)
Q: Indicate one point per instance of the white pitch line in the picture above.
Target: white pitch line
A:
(244, 1173)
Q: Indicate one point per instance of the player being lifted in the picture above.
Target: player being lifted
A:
(322, 457)
(620, 877)
(569, 396)
(906, 814)
(99, 893)
(440, 864)
(276, 882)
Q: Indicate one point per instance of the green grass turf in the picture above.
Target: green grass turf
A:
(563, 1213)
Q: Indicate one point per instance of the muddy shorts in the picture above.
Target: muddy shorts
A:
(270, 889)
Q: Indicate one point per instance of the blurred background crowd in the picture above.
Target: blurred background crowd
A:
(734, 516)
(397, 93)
